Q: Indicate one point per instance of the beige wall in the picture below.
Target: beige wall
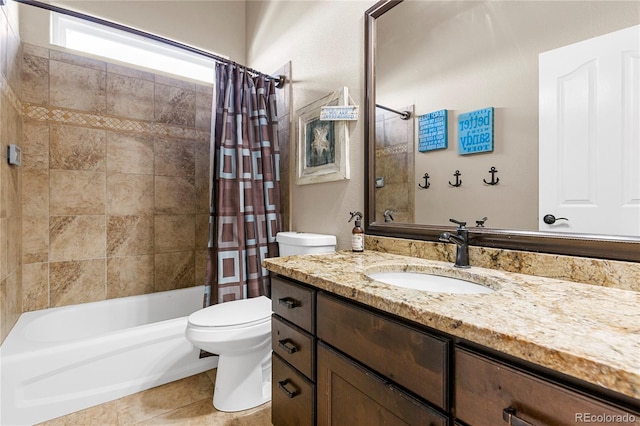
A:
(324, 41)
(473, 55)
(10, 176)
(214, 26)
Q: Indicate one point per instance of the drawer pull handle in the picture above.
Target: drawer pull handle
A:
(288, 346)
(509, 416)
(289, 302)
(283, 386)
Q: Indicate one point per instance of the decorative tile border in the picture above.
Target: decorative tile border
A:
(96, 121)
(391, 150)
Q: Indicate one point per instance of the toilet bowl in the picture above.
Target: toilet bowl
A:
(239, 332)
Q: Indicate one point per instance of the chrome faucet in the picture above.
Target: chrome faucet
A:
(461, 239)
(388, 215)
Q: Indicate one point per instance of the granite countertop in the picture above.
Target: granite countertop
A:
(586, 331)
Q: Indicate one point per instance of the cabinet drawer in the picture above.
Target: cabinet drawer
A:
(407, 356)
(352, 395)
(484, 388)
(293, 302)
(292, 396)
(294, 345)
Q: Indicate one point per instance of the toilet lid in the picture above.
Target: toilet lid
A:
(237, 312)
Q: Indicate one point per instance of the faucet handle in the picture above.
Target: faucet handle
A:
(457, 222)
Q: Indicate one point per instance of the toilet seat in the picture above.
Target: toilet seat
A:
(235, 314)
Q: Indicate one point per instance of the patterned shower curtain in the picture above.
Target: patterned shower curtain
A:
(245, 206)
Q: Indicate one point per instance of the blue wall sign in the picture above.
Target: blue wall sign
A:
(433, 131)
(475, 131)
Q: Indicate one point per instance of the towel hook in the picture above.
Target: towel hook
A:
(426, 181)
(457, 174)
(494, 179)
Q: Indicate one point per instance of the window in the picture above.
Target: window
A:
(97, 39)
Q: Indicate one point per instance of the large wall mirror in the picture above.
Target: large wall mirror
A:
(521, 118)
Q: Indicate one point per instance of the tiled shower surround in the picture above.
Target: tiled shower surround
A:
(115, 180)
(394, 163)
(10, 176)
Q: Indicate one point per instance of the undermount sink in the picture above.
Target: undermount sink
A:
(429, 282)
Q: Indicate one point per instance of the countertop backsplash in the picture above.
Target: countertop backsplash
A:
(601, 272)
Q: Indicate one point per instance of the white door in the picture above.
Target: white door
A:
(590, 135)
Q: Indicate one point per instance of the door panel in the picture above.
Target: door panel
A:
(590, 135)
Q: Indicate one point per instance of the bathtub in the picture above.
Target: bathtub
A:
(60, 360)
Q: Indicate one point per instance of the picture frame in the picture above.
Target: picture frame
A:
(322, 148)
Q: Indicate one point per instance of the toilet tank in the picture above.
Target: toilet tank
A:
(290, 243)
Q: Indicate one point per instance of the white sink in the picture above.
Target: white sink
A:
(429, 282)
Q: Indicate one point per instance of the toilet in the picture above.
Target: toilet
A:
(239, 332)
(292, 243)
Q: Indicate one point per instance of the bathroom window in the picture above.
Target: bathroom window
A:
(96, 39)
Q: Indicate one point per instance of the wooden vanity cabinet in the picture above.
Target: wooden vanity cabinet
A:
(292, 396)
(349, 393)
(487, 392)
(294, 352)
(409, 357)
(336, 362)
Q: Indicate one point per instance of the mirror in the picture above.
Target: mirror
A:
(465, 56)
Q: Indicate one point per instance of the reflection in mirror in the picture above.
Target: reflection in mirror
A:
(563, 144)
(466, 56)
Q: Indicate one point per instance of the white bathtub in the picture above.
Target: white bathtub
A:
(60, 360)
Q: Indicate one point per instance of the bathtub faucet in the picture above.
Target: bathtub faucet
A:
(461, 239)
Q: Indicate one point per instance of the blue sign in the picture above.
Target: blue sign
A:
(475, 131)
(432, 131)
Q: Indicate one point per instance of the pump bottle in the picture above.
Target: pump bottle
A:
(357, 234)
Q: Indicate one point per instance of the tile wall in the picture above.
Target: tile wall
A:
(10, 176)
(394, 163)
(115, 180)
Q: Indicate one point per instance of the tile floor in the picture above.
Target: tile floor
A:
(183, 402)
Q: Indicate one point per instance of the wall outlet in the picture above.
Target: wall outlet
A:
(15, 155)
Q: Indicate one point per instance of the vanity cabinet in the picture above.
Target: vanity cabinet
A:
(409, 357)
(294, 353)
(338, 362)
(349, 393)
(489, 392)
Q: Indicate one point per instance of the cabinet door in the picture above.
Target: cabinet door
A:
(415, 360)
(349, 394)
(486, 388)
(292, 396)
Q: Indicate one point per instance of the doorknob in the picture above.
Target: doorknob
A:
(550, 219)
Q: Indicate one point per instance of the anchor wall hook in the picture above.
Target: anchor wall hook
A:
(426, 181)
(494, 179)
(457, 174)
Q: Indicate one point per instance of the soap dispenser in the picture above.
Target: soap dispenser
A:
(357, 234)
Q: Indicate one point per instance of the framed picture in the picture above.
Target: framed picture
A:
(322, 151)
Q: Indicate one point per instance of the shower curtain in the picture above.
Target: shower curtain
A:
(245, 202)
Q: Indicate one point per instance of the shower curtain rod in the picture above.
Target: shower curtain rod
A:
(280, 79)
(405, 114)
